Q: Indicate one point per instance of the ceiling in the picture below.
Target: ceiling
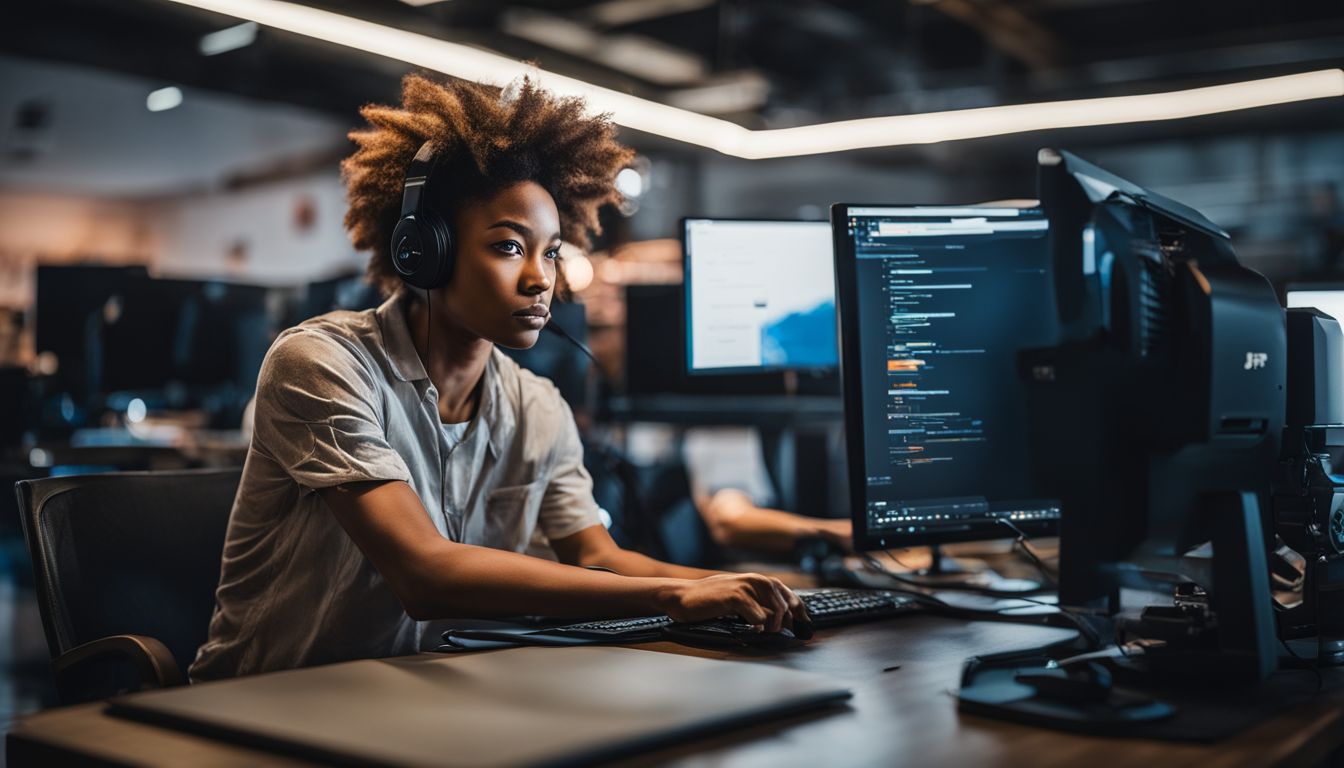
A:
(758, 63)
(76, 129)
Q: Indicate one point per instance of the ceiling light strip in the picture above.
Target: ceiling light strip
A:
(732, 139)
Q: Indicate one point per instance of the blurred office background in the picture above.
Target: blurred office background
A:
(169, 193)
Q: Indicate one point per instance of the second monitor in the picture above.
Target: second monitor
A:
(759, 296)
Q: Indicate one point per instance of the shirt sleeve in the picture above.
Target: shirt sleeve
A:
(719, 458)
(317, 414)
(567, 505)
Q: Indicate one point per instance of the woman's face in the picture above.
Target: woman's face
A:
(507, 249)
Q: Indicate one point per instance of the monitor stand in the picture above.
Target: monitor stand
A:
(946, 573)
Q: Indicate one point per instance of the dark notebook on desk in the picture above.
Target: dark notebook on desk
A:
(520, 707)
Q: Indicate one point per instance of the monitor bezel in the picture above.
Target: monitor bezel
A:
(817, 371)
(851, 389)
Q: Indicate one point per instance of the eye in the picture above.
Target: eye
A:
(553, 254)
(510, 247)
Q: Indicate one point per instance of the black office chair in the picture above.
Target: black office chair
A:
(126, 566)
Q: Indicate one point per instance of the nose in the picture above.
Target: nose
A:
(538, 275)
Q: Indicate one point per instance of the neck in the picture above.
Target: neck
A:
(453, 356)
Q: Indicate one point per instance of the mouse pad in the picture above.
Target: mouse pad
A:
(525, 706)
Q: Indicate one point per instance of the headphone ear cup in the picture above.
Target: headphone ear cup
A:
(422, 250)
(439, 270)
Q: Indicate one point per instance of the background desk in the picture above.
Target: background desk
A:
(903, 716)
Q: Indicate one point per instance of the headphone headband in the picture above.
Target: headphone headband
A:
(417, 176)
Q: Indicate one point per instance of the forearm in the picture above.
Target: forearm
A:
(629, 563)
(465, 580)
(734, 521)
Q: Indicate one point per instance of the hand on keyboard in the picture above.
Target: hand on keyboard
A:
(758, 600)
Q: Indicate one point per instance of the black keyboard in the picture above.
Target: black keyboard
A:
(616, 627)
(831, 607)
(828, 607)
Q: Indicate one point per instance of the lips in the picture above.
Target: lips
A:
(540, 311)
(532, 318)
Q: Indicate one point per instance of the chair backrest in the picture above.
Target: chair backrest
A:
(128, 553)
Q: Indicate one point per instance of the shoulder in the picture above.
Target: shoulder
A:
(328, 352)
(333, 337)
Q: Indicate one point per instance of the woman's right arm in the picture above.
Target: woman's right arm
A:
(435, 578)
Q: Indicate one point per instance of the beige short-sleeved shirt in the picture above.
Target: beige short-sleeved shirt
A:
(343, 398)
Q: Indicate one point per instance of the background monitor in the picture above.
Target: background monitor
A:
(193, 334)
(1327, 297)
(74, 304)
(934, 305)
(759, 296)
(655, 363)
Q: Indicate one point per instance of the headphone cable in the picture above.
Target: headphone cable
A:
(443, 463)
(553, 327)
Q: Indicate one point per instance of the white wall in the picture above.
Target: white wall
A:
(183, 237)
(59, 229)
(197, 233)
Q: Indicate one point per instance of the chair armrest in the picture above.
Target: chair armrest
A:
(157, 667)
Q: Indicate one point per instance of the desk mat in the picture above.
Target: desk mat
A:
(520, 707)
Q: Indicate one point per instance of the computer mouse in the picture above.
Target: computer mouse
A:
(1075, 684)
(802, 630)
(784, 638)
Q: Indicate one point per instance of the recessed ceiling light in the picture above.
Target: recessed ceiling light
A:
(732, 139)
(164, 98)
(230, 39)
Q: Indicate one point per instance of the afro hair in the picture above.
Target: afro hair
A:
(484, 140)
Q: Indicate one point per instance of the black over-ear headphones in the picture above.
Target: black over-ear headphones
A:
(422, 246)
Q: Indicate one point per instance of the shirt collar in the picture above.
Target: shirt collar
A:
(497, 420)
(406, 364)
(493, 416)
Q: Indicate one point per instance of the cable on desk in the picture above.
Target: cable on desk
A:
(1086, 630)
(1022, 546)
(978, 590)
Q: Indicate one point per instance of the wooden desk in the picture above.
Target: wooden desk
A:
(902, 673)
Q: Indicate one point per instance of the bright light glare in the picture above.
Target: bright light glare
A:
(135, 411)
(578, 272)
(732, 139)
(232, 38)
(164, 98)
(629, 182)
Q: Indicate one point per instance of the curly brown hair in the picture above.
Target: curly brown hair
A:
(483, 143)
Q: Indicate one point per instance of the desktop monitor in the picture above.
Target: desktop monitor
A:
(1327, 297)
(196, 334)
(655, 364)
(759, 296)
(935, 303)
(1157, 419)
(73, 306)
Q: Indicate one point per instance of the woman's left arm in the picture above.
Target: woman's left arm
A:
(594, 546)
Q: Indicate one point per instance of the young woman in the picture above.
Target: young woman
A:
(401, 466)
